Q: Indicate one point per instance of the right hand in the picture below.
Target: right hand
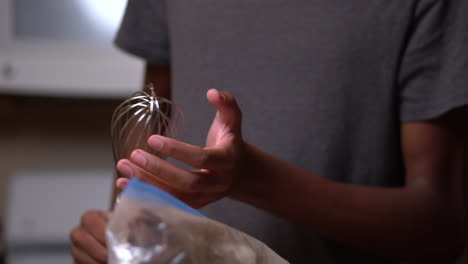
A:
(89, 238)
(219, 167)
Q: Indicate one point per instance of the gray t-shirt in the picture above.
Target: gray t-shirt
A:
(323, 84)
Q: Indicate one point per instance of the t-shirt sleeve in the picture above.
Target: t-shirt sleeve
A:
(433, 75)
(143, 31)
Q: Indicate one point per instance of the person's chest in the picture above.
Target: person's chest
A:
(291, 32)
(299, 56)
(314, 79)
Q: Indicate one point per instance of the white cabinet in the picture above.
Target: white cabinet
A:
(64, 48)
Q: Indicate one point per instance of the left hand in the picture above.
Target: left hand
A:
(89, 238)
(218, 166)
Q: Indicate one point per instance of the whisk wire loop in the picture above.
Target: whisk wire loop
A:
(139, 117)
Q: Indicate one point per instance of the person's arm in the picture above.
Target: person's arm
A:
(425, 219)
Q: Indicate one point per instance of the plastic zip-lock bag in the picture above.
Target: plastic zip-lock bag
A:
(150, 226)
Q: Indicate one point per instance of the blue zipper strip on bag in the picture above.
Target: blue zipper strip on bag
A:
(141, 191)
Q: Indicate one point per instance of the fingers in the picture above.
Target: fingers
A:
(196, 199)
(129, 169)
(89, 242)
(196, 157)
(86, 249)
(80, 257)
(121, 183)
(156, 170)
(229, 112)
(95, 223)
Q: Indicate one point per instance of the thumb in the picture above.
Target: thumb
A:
(229, 113)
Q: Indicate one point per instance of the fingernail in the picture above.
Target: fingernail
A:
(121, 183)
(155, 143)
(125, 169)
(138, 158)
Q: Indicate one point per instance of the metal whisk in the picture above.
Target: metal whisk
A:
(139, 117)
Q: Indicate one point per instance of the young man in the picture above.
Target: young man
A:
(358, 104)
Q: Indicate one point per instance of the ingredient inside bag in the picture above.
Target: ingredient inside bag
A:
(150, 226)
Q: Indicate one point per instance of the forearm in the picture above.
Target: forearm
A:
(396, 222)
